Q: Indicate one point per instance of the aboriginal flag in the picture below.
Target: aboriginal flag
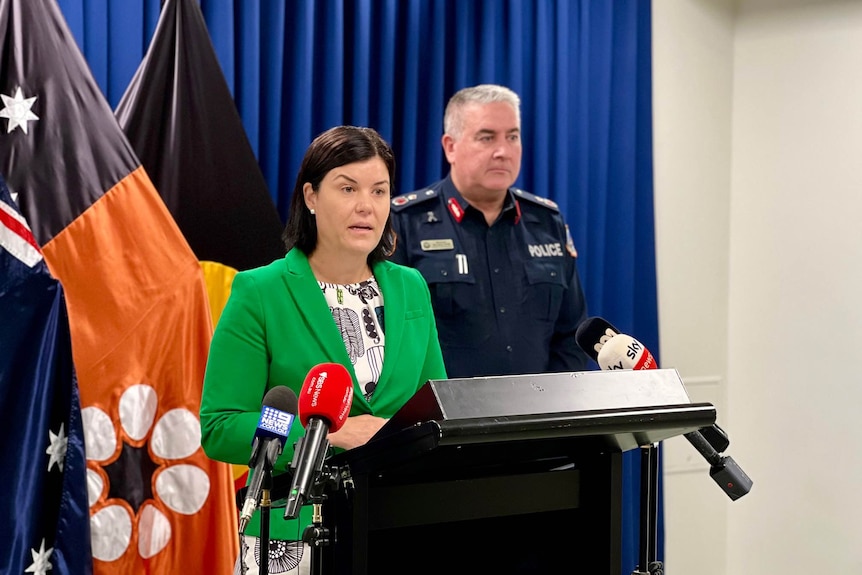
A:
(137, 304)
(180, 118)
(182, 122)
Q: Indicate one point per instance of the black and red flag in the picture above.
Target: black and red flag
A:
(180, 117)
(137, 303)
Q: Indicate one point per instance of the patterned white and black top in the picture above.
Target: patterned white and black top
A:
(358, 313)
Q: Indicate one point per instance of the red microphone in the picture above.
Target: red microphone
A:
(324, 404)
(327, 393)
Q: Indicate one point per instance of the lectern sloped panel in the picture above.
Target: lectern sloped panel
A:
(484, 467)
(482, 397)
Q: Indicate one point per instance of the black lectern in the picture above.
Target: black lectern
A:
(510, 474)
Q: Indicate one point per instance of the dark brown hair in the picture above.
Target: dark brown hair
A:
(336, 147)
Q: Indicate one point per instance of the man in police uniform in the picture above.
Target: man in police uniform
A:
(499, 262)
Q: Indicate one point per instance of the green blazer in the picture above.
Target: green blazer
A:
(276, 326)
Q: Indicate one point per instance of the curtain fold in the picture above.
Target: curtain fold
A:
(581, 67)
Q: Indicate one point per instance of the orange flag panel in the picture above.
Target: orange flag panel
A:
(141, 329)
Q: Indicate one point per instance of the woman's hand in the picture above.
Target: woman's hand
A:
(356, 431)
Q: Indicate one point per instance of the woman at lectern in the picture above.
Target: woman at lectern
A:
(323, 302)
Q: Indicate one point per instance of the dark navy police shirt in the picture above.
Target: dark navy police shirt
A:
(507, 298)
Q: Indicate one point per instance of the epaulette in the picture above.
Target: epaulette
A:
(550, 204)
(413, 198)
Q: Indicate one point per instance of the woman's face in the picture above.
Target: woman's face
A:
(351, 207)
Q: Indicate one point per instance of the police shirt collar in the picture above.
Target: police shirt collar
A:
(511, 207)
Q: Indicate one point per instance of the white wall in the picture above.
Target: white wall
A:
(758, 146)
(693, 81)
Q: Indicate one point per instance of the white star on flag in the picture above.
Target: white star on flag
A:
(41, 560)
(57, 448)
(17, 110)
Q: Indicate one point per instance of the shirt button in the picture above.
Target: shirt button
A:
(553, 274)
(509, 348)
(502, 310)
(444, 272)
(496, 270)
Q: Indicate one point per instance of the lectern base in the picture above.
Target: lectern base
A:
(540, 543)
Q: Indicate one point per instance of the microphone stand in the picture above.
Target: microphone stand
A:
(648, 513)
(265, 507)
(316, 535)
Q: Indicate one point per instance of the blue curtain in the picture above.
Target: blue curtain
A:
(581, 67)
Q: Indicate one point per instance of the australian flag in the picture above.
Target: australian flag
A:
(44, 515)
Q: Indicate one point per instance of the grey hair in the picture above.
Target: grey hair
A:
(453, 117)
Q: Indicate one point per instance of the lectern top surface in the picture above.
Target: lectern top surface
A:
(558, 392)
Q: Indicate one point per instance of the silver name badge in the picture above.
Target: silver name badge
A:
(436, 245)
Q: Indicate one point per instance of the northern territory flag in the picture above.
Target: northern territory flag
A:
(180, 117)
(44, 521)
(137, 303)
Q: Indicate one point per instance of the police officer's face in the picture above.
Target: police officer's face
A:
(486, 158)
(351, 207)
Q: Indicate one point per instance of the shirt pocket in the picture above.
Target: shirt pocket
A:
(464, 320)
(451, 292)
(544, 286)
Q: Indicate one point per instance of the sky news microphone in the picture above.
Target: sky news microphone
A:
(324, 404)
(625, 352)
(276, 418)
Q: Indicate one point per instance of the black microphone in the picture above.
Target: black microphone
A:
(325, 401)
(592, 334)
(276, 418)
(615, 350)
